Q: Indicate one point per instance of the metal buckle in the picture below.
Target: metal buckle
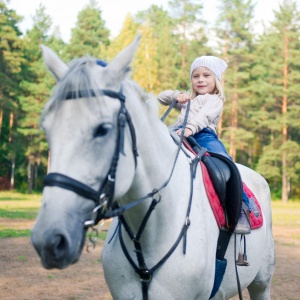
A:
(111, 179)
(93, 237)
(146, 276)
(91, 221)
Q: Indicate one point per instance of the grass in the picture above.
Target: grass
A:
(286, 214)
(8, 232)
(15, 207)
(19, 206)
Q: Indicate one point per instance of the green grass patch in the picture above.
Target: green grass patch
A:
(14, 196)
(28, 213)
(101, 235)
(286, 215)
(19, 206)
(12, 233)
(16, 206)
(22, 258)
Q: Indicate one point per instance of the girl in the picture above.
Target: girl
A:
(206, 107)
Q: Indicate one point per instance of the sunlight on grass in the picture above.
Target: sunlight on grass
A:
(286, 214)
(7, 196)
(19, 206)
(18, 211)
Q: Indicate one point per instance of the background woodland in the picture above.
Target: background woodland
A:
(260, 125)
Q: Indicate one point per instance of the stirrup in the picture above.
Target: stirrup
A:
(243, 224)
(242, 257)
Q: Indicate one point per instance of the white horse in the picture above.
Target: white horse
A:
(88, 128)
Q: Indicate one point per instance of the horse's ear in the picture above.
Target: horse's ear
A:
(120, 65)
(54, 64)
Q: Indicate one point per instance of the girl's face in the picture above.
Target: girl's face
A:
(203, 81)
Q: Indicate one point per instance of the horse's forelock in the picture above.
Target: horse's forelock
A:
(79, 77)
(82, 76)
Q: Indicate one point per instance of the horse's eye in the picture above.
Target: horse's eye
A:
(102, 129)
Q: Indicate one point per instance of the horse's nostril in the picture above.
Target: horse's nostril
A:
(61, 243)
(57, 245)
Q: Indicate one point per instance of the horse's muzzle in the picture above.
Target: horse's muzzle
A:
(57, 248)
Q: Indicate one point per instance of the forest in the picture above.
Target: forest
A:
(261, 118)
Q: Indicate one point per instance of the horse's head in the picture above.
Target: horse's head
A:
(88, 129)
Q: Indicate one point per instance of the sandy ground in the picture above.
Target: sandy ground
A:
(23, 278)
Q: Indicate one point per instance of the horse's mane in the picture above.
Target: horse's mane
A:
(81, 77)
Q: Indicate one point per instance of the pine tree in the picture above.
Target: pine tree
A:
(167, 49)
(128, 32)
(234, 32)
(36, 86)
(188, 24)
(280, 49)
(11, 60)
(89, 34)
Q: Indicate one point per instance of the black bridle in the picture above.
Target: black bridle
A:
(102, 198)
(104, 206)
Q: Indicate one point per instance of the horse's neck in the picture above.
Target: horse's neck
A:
(156, 159)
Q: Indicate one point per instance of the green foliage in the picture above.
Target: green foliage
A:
(89, 34)
(260, 123)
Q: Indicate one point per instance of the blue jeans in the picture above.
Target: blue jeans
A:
(208, 139)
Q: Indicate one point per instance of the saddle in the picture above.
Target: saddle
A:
(226, 180)
(228, 185)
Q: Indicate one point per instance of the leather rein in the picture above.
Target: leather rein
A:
(103, 199)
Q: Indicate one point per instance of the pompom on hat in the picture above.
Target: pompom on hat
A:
(215, 64)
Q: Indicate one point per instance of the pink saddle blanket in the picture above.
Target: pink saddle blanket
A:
(256, 217)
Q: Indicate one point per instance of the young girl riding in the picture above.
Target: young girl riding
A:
(207, 100)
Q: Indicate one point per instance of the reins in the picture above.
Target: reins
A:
(145, 273)
(195, 163)
(118, 211)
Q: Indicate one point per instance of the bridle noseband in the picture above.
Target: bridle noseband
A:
(104, 206)
(104, 197)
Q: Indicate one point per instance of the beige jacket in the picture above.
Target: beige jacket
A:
(205, 110)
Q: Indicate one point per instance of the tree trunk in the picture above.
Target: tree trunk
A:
(1, 120)
(220, 124)
(12, 176)
(234, 117)
(29, 177)
(11, 124)
(284, 192)
(30, 173)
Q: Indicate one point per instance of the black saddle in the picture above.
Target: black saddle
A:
(226, 180)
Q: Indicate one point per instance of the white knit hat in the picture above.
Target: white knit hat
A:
(215, 64)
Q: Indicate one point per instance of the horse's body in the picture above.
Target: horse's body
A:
(78, 150)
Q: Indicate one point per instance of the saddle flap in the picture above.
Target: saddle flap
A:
(234, 190)
(219, 173)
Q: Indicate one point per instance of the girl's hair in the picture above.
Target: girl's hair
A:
(218, 89)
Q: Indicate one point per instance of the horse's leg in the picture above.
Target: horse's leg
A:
(259, 289)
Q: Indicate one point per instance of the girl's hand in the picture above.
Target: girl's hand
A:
(187, 132)
(183, 98)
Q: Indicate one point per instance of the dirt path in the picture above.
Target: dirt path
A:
(23, 278)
